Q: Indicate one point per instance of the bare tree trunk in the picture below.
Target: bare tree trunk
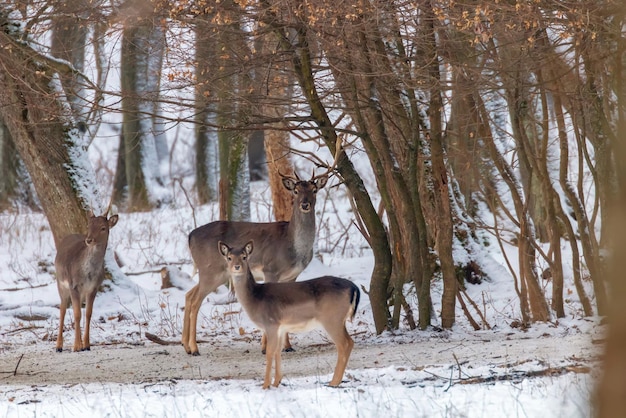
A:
(207, 159)
(239, 176)
(440, 180)
(233, 86)
(142, 47)
(42, 134)
(279, 162)
(69, 35)
(277, 146)
(8, 168)
(14, 180)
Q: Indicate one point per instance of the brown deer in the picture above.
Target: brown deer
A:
(278, 308)
(79, 267)
(284, 249)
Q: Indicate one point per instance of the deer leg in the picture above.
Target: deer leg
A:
(278, 372)
(62, 310)
(195, 303)
(186, 317)
(88, 311)
(194, 308)
(344, 345)
(273, 349)
(287, 348)
(76, 307)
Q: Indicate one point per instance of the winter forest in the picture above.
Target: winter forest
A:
(448, 126)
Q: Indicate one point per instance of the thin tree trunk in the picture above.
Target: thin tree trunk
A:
(9, 174)
(277, 146)
(233, 86)
(142, 48)
(440, 181)
(136, 188)
(69, 35)
(279, 162)
(207, 159)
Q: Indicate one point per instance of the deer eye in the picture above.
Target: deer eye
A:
(295, 191)
(230, 258)
(103, 229)
(244, 258)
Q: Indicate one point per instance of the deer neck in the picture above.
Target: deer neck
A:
(94, 254)
(244, 287)
(302, 233)
(93, 260)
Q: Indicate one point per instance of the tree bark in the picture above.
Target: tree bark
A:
(36, 119)
(277, 145)
(233, 86)
(69, 35)
(279, 162)
(140, 66)
(440, 180)
(207, 159)
(10, 174)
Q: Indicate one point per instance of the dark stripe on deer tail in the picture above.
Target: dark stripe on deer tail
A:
(355, 297)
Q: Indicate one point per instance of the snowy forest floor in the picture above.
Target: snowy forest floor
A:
(506, 355)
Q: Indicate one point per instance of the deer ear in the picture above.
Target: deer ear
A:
(113, 221)
(321, 182)
(289, 184)
(223, 248)
(249, 247)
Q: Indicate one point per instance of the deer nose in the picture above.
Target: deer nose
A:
(88, 241)
(237, 268)
(306, 206)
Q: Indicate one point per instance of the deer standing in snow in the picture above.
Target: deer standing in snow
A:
(79, 267)
(278, 308)
(284, 249)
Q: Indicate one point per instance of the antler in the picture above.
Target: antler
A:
(289, 177)
(331, 168)
(320, 163)
(111, 209)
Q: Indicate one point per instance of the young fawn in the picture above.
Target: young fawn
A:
(279, 308)
(79, 267)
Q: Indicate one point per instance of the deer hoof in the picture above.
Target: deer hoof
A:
(195, 353)
(87, 349)
(59, 350)
(289, 350)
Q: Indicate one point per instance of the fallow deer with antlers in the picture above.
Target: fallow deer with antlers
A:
(278, 308)
(284, 249)
(79, 267)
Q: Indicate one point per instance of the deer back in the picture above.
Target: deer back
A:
(295, 306)
(282, 249)
(300, 305)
